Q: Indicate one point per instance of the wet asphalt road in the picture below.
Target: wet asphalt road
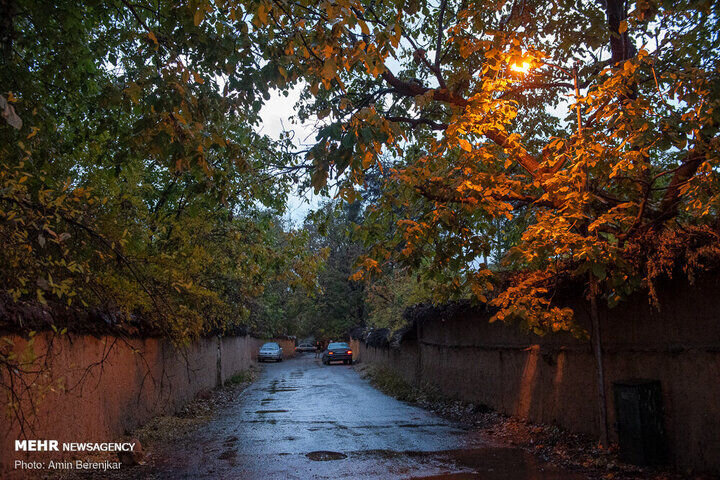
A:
(304, 420)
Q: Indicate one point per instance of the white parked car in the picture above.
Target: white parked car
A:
(305, 347)
(270, 351)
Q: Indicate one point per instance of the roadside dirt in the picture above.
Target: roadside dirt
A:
(548, 443)
(165, 430)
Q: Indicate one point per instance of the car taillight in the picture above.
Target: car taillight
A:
(349, 352)
(330, 353)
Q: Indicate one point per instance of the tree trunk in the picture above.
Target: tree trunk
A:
(621, 47)
(596, 339)
(7, 32)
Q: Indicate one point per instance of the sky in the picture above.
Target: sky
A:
(277, 115)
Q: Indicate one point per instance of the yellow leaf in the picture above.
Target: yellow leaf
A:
(465, 145)
(367, 160)
(262, 13)
(199, 15)
(623, 27)
(33, 132)
(133, 91)
(329, 69)
(364, 28)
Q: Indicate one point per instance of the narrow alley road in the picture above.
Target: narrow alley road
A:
(303, 420)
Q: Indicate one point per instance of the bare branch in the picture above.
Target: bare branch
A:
(438, 46)
(415, 122)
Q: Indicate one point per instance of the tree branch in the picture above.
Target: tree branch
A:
(456, 197)
(438, 46)
(415, 122)
(413, 89)
(687, 170)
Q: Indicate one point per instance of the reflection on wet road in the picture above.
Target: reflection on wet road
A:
(303, 420)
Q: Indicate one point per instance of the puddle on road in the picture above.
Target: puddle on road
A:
(281, 386)
(228, 455)
(404, 425)
(385, 454)
(452, 476)
(495, 463)
(281, 389)
(324, 456)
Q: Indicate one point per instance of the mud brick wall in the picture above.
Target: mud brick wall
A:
(287, 345)
(551, 379)
(96, 389)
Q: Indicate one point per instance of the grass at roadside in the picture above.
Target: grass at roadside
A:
(389, 382)
(549, 443)
(200, 410)
(244, 376)
(164, 431)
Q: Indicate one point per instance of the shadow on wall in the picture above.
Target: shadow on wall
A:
(551, 379)
(528, 382)
(95, 389)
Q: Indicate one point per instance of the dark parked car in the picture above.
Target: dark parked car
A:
(337, 352)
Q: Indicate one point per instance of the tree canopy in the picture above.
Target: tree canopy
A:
(133, 179)
(581, 138)
(567, 140)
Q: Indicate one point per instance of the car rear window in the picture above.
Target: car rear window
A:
(338, 345)
(268, 346)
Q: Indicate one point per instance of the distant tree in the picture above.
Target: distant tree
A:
(391, 293)
(337, 304)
